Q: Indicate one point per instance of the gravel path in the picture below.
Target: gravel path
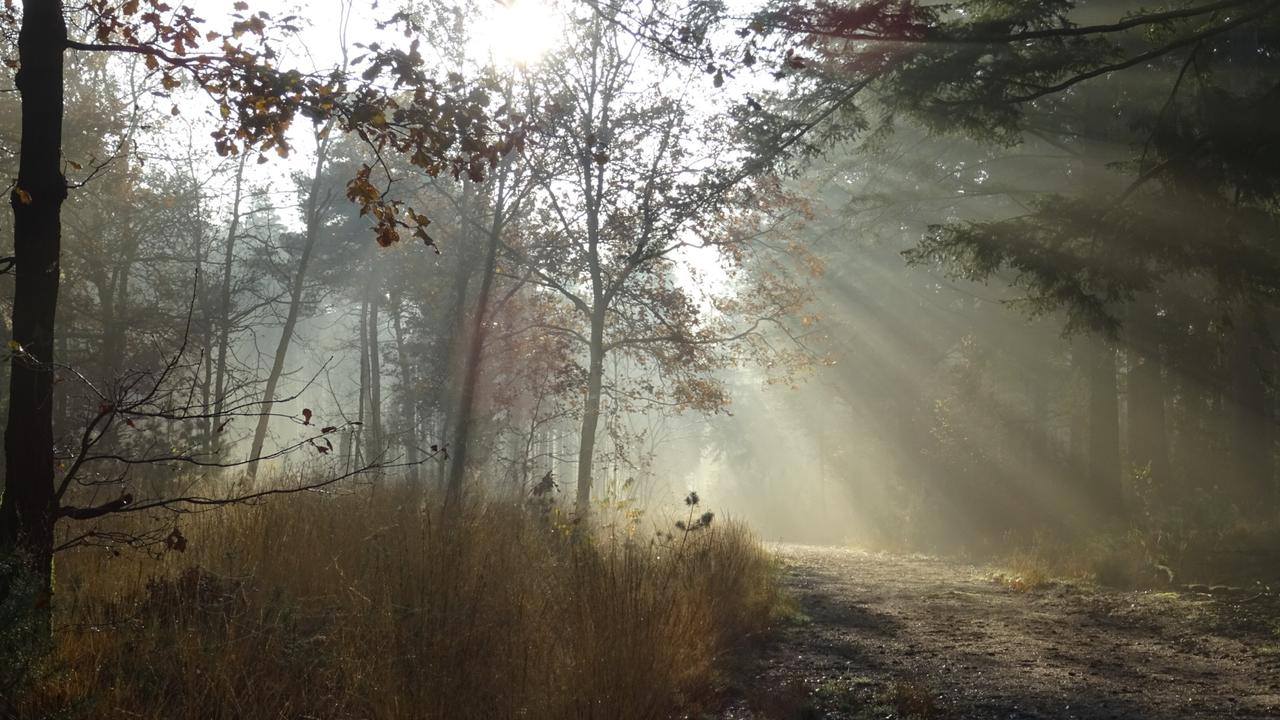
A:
(893, 636)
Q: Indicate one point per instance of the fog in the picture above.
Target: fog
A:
(871, 321)
(640, 359)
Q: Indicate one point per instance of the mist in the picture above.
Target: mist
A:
(622, 358)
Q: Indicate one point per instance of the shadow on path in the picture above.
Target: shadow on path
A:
(893, 636)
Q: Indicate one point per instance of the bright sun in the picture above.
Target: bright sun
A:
(516, 32)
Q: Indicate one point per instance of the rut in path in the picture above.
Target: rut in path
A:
(898, 636)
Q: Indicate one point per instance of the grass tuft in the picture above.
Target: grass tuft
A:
(373, 607)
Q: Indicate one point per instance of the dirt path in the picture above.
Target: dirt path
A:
(892, 636)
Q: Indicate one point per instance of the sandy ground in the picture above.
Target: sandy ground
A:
(886, 636)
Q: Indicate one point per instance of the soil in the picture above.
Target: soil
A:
(890, 636)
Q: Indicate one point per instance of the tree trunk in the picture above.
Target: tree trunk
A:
(114, 300)
(593, 186)
(1105, 495)
(29, 506)
(295, 309)
(109, 348)
(364, 381)
(1078, 412)
(408, 419)
(377, 449)
(200, 251)
(458, 316)
(1148, 443)
(1250, 426)
(224, 301)
(471, 370)
(591, 411)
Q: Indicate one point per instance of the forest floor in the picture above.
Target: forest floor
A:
(891, 636)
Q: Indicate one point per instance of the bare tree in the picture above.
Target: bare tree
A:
(623, 200)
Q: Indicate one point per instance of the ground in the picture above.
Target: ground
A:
(888, 636)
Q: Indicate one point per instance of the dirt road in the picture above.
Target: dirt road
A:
(884, 636)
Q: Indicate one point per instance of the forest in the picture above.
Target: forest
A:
(640, 359)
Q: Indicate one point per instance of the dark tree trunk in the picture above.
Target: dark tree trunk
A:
(1078, 412)
(1148, 442)
(29, 506)
(1250, 425)
(1104, 492)
(471, 370)
(453, 350)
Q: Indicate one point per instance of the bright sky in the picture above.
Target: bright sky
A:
(509, 32)
(516, 33)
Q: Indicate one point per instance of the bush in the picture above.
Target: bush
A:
(1155, 555)
(352, 606)
(23, 630)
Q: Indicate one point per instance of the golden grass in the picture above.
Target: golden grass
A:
(1042, 562)
(371, 607)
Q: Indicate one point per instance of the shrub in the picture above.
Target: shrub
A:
(23, 627)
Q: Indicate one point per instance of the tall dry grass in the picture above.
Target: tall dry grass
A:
(364, 606)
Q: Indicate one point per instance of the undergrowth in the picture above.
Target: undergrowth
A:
(360, 606)
(1170, 554)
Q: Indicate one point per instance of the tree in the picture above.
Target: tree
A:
(1190, 87)
(439, 127)
(510, 187)
(317, 205)
(620, 202)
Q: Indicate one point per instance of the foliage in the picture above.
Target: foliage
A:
(22, 643)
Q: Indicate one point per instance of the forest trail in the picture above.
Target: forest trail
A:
(907, 636)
